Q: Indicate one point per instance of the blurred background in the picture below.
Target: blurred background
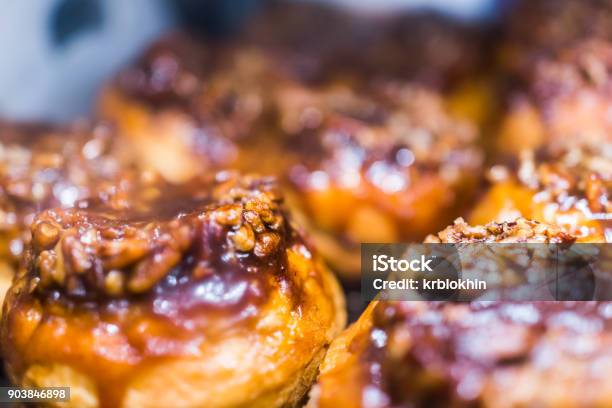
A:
(57, 53)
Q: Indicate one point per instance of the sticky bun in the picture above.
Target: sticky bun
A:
(44, 166)
(190, 105)
(572, 191)
(363, 161)
(194, 295)
(479, 353)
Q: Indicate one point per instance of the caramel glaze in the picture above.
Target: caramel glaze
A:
(478, 354)
(44, 166)
(571, 190)
(114, 291)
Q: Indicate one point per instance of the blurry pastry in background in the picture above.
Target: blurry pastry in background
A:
(556, 57)
(191, 105)
(561, 100)
(44, 166)
(548, 26)
(386, 165)
(573, 191)
(335, 45)
(554, 144)
(200, 295)
(493, 354)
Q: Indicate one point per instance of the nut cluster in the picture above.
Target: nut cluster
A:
(223, 88)
(166, 73)
(102, 251)
(251, 210)
(520, 230)
(579, 174)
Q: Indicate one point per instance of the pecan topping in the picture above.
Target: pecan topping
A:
(520, 230)
(103, 251)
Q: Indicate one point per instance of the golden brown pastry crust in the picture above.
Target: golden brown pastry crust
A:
(196, 295)
(490, 354)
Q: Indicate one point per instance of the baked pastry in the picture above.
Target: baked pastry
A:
(385, 165)
(363, 161)
(190, 105)
(198, 295)
(572, 191)
(557, 58)
(43, 166)
(489, 354)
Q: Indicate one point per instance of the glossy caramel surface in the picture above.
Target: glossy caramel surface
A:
(119, 293)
